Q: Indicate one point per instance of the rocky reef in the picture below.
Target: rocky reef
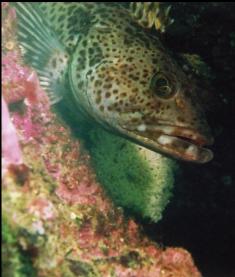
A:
(57, 215)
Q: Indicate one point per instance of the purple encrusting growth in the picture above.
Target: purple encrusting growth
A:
(11, 153)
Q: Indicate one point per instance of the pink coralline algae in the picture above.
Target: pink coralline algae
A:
(15, 85)
(84, 193)
(177, 258)
(79, 188)
(38, 228)
(42, 208)
(11, 153)
(27, 117)
(19, 83)
(4, 4)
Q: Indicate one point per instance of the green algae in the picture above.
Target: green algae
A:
(82, 269)
(136, 179)
(16, 262)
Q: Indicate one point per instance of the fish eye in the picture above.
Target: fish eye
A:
(161, 86)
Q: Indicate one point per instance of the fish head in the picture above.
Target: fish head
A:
(144, 95)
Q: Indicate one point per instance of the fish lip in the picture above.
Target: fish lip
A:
(179, 142)
(186, 133)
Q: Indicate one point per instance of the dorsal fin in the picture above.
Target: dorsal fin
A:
(41, 49)
(149, 14)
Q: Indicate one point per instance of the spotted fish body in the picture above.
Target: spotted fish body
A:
(118, 75)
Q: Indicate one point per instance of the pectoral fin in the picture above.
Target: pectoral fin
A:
(41, 49)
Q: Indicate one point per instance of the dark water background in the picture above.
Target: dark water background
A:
(201, 215)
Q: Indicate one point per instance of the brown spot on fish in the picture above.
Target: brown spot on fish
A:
(107, 94)
(98, 100)
(54, 63)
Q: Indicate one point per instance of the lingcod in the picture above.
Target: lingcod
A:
(116, 74)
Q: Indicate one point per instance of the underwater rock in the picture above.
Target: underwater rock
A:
(88, 236)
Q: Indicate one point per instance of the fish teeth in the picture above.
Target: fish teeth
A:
(167, 129)
(164, 140)
(192, 150)
(141, 128)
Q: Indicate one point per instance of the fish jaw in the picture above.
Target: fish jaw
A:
(178, 142)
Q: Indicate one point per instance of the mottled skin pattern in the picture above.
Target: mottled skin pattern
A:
(124, 79)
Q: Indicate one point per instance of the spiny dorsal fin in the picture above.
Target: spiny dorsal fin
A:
(41, 49)
(149, 14)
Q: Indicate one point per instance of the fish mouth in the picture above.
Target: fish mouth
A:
(174, 141)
